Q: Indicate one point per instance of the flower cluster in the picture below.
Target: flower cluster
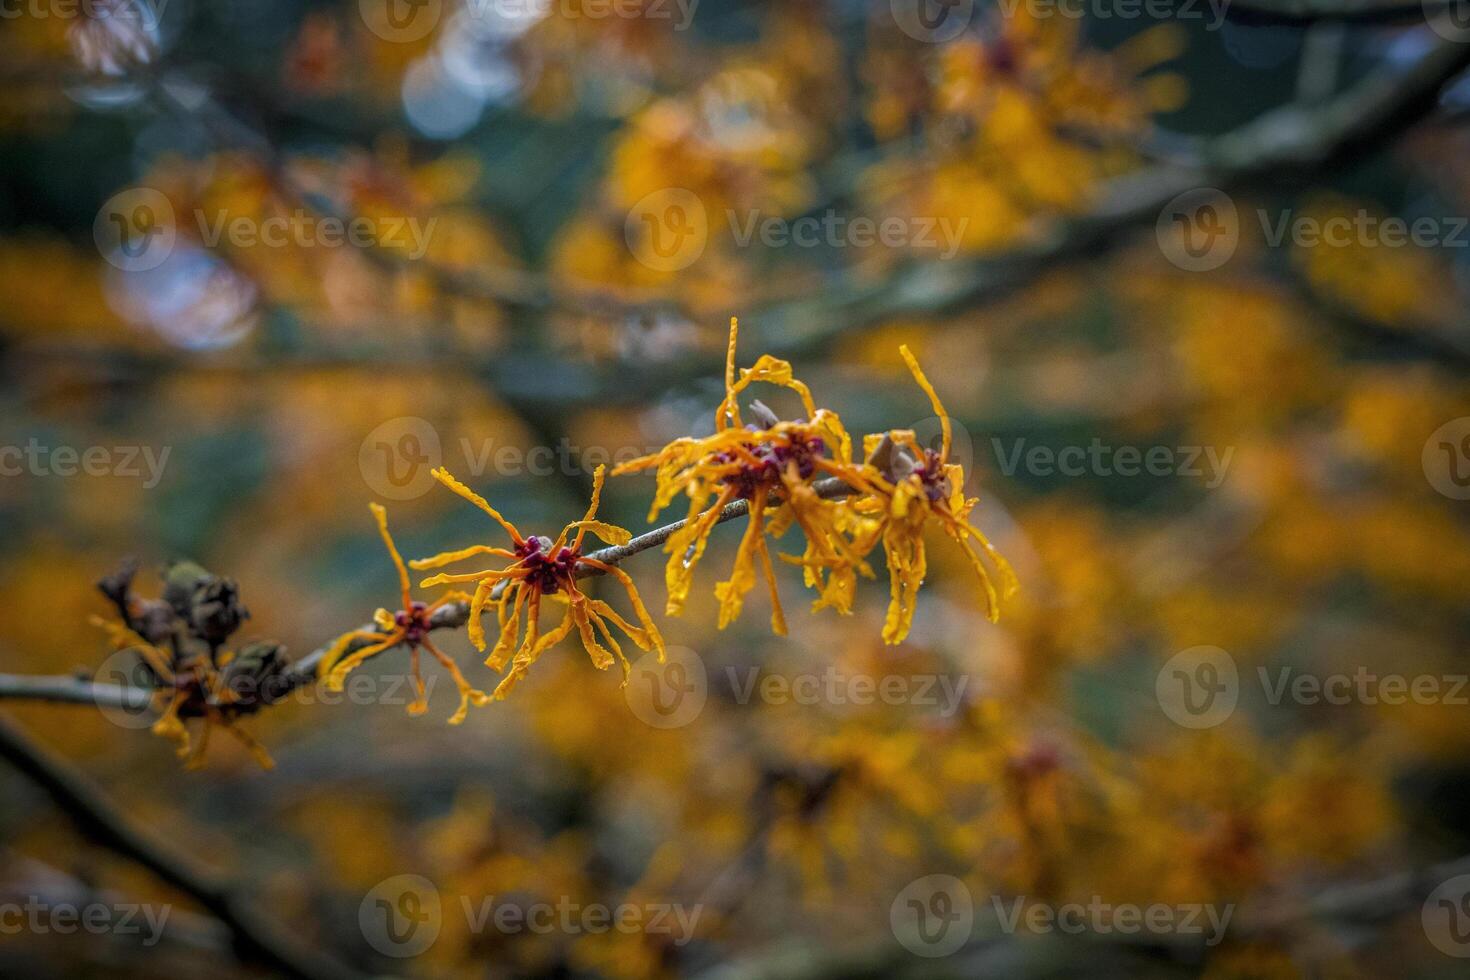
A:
(768, 467)
(802, 473)
(780, 474)
(905, 487)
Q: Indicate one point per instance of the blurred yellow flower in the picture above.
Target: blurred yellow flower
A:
(410, 625)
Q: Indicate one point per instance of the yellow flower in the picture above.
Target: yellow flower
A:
(542, 569)
(410, 625)
(902, 487)
(198, 689)
(772, 466)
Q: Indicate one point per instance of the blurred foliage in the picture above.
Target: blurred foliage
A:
(529, 316)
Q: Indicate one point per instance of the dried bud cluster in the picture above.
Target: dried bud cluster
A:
(179, 638)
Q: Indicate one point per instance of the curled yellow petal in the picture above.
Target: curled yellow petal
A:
(443, 476)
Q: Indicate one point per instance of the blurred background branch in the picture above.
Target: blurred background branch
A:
(97, 820)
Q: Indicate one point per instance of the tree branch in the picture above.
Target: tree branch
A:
(71, 689)
(256, 937)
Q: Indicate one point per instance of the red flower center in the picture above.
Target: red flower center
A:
(414, 621)
(549, 573)
(931, 474)
(771, 460)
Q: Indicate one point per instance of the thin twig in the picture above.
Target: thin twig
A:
(69, 688)
(257, 938)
